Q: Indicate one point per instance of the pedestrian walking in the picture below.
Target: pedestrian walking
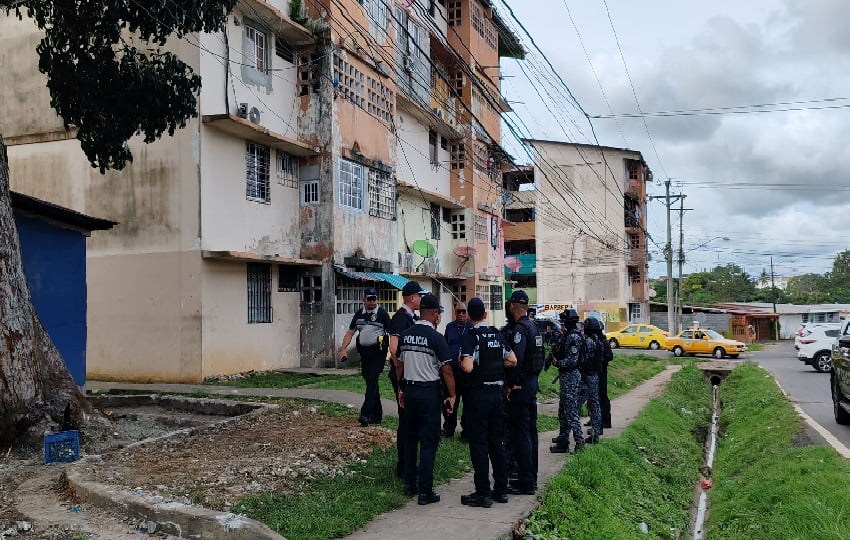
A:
(590, 370)
(403, 319)
(454, 333)
(527, 345)
(568, 356)
(370, 323)
(485, 356)
(423, 357)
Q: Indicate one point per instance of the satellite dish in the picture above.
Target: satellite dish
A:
(464, 251)
(423, 248)
(652, 293)
(513, 264)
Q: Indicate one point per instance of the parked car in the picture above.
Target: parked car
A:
(644, 336)
(839, 379)
(806, 328)
(702, 341)
(815, 346)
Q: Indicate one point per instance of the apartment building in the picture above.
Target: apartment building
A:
(340, 144)
(579, 238)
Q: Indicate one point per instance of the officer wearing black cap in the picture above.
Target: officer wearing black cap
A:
(423, 357)
(403, 319)
(527, 344)
(485, 357)
(371, 323)
(568, 356)
(590, 373)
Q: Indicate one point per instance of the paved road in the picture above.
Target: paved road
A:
(805, 387)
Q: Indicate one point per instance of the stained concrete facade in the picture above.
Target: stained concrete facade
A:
(244, 239)
(590, 230)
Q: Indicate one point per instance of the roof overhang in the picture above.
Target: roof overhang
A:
(58, 214)
(430, 196)
(245, 129)
(275, 20)
(425, 116)
(243, 256)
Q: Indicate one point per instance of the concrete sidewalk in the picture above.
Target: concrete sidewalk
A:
(448, 519)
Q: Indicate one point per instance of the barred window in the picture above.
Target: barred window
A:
(310, 194)
(483, 292)
(309, 74)
(459, 292)
(311, 294)
(497, 297)
(287, 169)
(458, 155)
(349, 295)
(350, 185)
(435, 221)
(455, 12)
(259, 293)
(255, 56)
(458, 225)
(432, 147)
(481, 228)
(382, 190)
(257, 172)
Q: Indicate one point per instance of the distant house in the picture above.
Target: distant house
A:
(53, 251)
(791, 316)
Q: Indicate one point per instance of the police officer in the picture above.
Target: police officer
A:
(423, 356)
(454, 333)
(485, 357)
(527, 344)
(371, 323)
(590, 370)
(403, 319)
(567, 356)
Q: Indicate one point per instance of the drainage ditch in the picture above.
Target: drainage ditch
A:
(715, 372)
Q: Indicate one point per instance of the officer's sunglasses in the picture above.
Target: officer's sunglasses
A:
(460, 311)
(371, 298)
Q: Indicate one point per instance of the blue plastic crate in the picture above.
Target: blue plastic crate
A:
(62, 446)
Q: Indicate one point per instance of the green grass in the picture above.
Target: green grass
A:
(765, 487)
(625, 372)
(753, 347)
(646, 475)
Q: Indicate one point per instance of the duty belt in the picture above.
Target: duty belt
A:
(421, 383)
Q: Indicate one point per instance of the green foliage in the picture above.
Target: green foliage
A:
(106, 87)
(765, 485)
(646, 475)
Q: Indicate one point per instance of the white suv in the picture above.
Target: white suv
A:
(815, 345)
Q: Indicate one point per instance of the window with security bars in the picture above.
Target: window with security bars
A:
(309, 73)
(287, 169)
(349, 295)
(458, 224)
(455, 12)
(459, 292)
(255, 56)
(382, 191)
(483, 292)
(259, 293)
(435, 212)
(497, 297)
(310, 193)
(481, 228)
(257, 172)
(458, 155)
(432, 148)
(287, 279)
(350, 185)
(311, 294)
(635, 313)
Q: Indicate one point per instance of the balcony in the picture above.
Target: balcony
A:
(274, 19)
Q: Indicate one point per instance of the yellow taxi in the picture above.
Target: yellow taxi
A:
(702, 341)
(645, 336)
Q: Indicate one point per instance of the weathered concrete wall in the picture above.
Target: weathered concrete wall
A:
(230, 343)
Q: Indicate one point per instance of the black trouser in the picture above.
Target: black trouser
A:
(450, 419)
(485, 429)
(372, 360)
(604, 401)
(522, 411)
(422, 406)
(401, 432)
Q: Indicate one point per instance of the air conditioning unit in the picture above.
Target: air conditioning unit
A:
(407, 261)
(242, 110)
(432, 265)
(252, 114)
(407, 63)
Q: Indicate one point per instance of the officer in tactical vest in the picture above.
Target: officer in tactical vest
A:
(590, 370)
(484, 358)
(527, 344)
(567, 356)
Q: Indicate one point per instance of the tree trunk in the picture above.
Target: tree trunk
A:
(36, 389)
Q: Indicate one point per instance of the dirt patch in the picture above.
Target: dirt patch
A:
(213, 466)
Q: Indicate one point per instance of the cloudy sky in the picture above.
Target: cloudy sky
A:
(774, 183)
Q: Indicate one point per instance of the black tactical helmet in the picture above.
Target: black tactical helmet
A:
(592, 324)
(568, 315)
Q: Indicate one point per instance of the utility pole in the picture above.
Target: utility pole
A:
(668, 255)
(773, 296)
(681, 261)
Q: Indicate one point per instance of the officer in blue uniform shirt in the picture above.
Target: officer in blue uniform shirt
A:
(371, 323)
(527, 345)
(423, 357)
(485, 357)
